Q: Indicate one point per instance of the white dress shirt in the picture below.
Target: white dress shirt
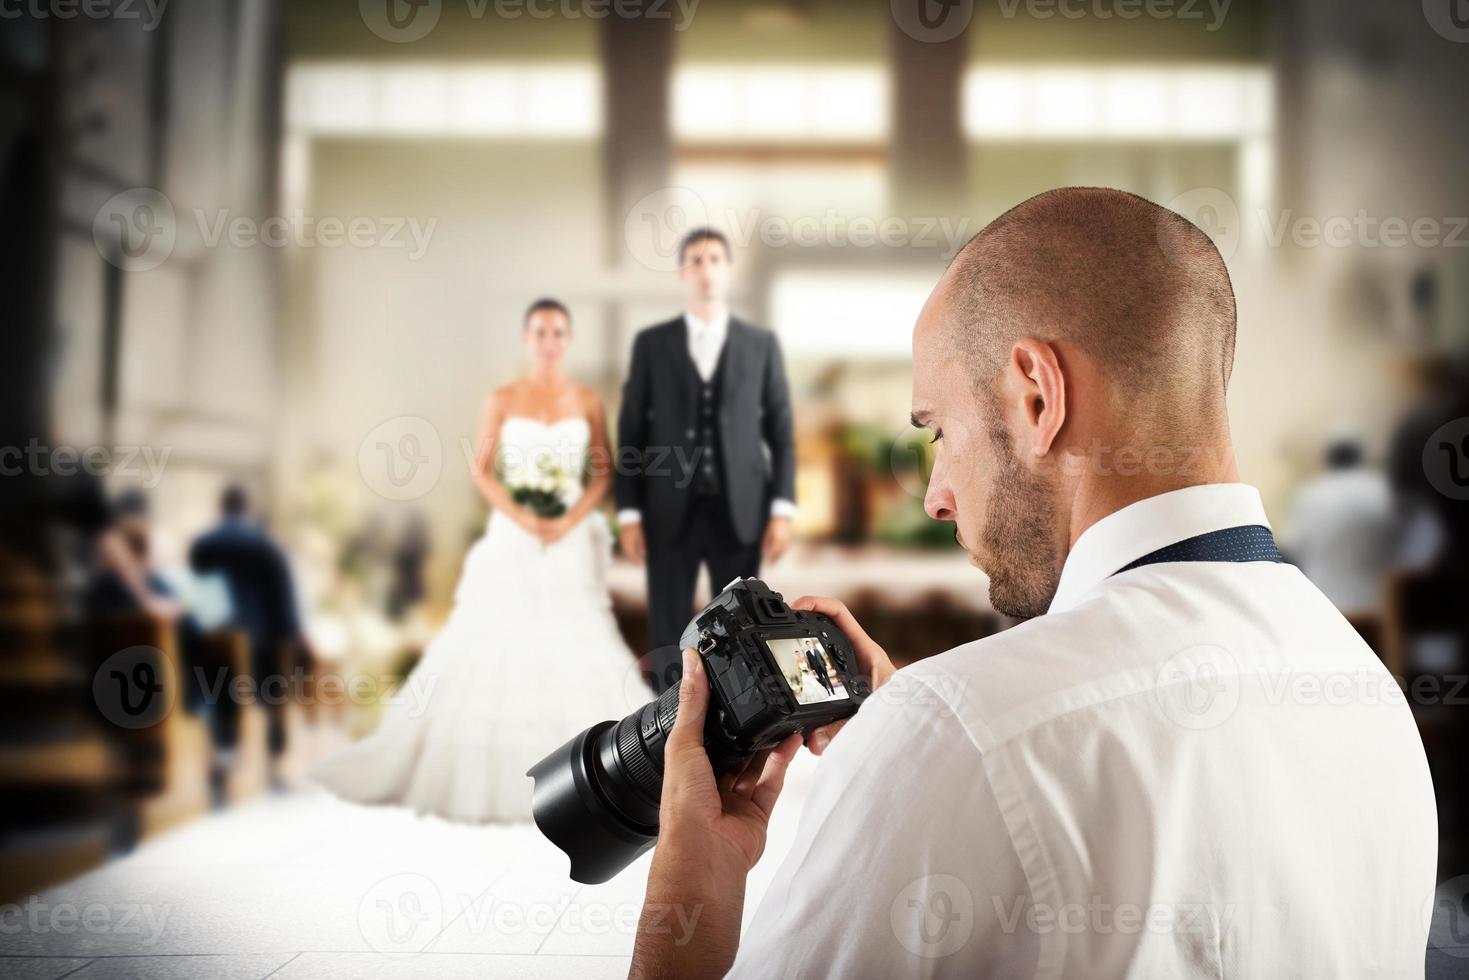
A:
(1194, 769)
(706, 344)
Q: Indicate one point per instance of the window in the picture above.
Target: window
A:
(1173, 104)
(469, 101)
(780, 103)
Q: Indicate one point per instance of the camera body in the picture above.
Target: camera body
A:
(772, 671)
(741, 636)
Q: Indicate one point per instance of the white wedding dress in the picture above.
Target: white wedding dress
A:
(529, 656)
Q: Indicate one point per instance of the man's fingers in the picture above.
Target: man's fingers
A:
(693, 702)
(773, 774)
(839, 613)
(726, 781)
(750, 775)
(871, 658)
(819, 738)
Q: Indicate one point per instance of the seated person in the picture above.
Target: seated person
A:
(126, 583)
(1131, 782)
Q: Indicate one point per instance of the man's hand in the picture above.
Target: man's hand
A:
(727, 817)
(633, 544)
(777, 538)
(872, 660)
(711, 833)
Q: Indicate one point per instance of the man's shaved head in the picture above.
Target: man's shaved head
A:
(1136, 287)
(1073, 358)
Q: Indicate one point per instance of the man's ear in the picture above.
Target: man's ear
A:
(1038, 389)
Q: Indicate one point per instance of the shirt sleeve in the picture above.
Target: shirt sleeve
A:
(780, 507)
(902, 864)
(629, 516)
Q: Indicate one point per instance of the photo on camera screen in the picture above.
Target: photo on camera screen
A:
(808, 669)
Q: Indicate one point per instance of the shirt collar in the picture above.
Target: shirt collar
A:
(718, 326)
(1143, 527)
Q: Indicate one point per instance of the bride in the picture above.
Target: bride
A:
(530, 654)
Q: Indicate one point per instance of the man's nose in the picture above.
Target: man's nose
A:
(938, 502)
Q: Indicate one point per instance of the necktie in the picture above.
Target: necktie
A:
(1250, 542)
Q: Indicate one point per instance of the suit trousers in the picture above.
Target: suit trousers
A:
(707, 537)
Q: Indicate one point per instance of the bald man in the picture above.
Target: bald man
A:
(1185, 764)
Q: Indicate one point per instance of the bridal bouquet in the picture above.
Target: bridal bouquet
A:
(541, 487)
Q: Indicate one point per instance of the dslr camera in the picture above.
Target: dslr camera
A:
(772, 671)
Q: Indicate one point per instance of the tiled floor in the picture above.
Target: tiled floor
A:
(303, 886)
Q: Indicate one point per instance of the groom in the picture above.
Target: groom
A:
(706, 462)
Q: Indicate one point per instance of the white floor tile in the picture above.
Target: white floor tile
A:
(442, 966)
(182, 967)
(38, 968)
(350, 889)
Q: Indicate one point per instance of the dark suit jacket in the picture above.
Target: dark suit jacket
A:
(259, 581)
(657, 429)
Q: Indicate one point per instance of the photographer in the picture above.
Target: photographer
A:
(1132, 782)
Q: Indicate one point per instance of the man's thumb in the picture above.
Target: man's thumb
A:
(693, 703)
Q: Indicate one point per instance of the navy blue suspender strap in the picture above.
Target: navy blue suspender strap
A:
(1250, 542)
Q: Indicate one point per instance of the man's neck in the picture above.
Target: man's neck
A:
(710, 312)
(1109, 484)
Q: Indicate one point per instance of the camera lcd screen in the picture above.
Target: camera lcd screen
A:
(807, 668)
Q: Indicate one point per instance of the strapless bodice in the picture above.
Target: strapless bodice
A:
(529, 449)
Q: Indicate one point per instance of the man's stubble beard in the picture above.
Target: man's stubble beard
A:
(1018, 535)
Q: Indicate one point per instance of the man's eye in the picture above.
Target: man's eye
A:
(937, 435)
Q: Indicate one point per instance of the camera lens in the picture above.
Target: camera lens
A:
(596, 797)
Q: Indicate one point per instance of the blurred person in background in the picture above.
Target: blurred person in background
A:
(126, 583)
(262, 597)
(1429, 462)
(410, 552)
(1344, 535)
(530, 650)
(706, 421)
